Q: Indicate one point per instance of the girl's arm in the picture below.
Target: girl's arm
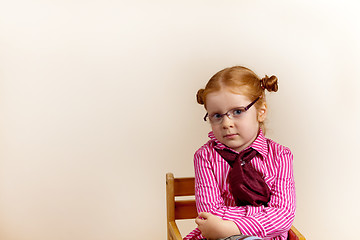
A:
(261, 221)
(213, 227)
(207, 190)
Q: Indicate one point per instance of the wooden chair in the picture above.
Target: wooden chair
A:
(186, 209)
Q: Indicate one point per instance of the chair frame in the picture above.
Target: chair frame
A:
(186, 209)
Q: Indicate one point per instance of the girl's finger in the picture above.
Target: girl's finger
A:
(199, 221)
(204, 215)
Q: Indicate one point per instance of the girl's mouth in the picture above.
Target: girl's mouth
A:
(230, 136)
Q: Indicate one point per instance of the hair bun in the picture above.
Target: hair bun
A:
(269, 83)
(200, 96)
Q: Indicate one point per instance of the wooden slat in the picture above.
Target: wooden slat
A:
(174, 233)
(170, 199)
(184, 186)
(294, 234)
(185, 209)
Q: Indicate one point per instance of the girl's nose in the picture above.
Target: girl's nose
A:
(227, 122)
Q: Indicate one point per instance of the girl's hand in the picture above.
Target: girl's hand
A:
(213, 227)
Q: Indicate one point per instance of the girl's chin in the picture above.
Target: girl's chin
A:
(235, 147)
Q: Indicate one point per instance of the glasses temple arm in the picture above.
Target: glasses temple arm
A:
(252, 103)
(206, 115)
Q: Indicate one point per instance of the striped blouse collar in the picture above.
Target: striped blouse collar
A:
(260, 144)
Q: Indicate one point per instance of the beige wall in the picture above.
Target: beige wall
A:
(97, 103)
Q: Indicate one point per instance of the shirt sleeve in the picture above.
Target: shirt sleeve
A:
(194, 235)
(207, 192)
(270, 221)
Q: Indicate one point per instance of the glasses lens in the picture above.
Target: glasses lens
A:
(235, 113)
(216, 118)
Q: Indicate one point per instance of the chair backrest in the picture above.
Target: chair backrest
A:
(180, 187)
(186, 209)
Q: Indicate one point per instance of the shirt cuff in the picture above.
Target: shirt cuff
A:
(195, 234)
(251, 227)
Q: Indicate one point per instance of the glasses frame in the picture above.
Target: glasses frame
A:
(227, 113)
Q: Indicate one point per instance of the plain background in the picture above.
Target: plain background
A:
(97, 103)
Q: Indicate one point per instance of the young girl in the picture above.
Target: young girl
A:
(262, 202)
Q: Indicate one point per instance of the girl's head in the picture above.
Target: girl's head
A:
(230, 89)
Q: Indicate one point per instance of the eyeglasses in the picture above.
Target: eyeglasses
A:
(234, 113)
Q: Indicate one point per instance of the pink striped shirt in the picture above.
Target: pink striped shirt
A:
(274, 162)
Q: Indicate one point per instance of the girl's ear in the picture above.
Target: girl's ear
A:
(262, 112)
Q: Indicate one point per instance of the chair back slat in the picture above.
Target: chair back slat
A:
(185, 209)
(184, 187)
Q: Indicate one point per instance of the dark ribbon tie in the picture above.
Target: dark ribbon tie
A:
(246, 184)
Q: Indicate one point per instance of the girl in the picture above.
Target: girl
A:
(244, 182)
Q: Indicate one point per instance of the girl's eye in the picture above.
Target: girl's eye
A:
(217, 116)
(237, 112)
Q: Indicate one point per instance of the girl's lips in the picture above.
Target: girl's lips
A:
(230, 135)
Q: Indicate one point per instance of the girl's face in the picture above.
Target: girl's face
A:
(238, 133)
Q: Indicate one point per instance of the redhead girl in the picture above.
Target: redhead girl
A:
(263, 203)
